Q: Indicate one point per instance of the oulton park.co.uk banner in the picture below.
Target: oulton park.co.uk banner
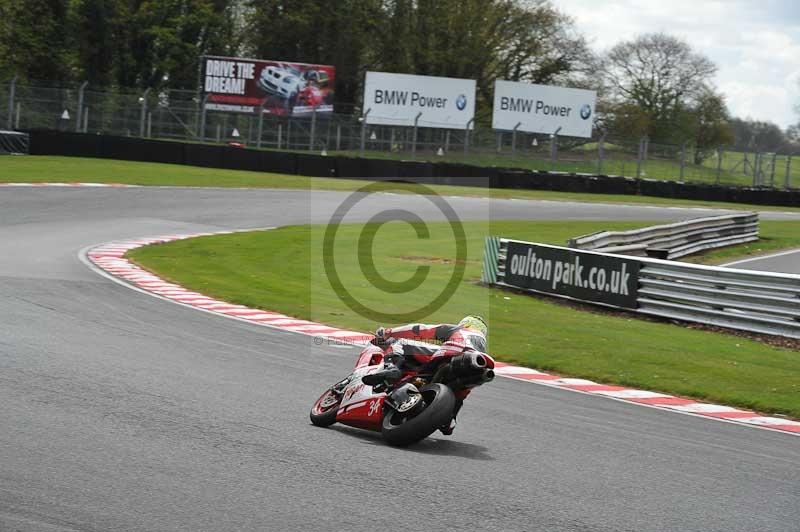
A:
(583, 275)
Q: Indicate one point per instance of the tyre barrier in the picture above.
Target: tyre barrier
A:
(48, 142)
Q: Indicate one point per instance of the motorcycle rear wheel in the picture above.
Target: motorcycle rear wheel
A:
(404, 428)
(323, 413)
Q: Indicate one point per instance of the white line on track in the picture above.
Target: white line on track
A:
(763, 257)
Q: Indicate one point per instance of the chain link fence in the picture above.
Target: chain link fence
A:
(179, 115)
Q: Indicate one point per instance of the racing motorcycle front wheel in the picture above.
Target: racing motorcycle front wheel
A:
(433, 409)
(323, 413)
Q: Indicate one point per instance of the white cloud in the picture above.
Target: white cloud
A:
(755, 45)
(762, 102)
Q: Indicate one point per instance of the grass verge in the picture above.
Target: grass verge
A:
(35, 169)
(283, 270)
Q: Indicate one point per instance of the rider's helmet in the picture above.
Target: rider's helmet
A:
(475, 323)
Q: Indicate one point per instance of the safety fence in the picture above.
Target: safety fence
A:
(181, 115)
(761, 302)
(48, 142)
(671, 241)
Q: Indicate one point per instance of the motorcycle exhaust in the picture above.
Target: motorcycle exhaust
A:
(468, 363)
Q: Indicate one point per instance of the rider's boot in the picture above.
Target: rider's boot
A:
(448, 429)
(390, 373)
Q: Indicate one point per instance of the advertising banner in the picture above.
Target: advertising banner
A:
(583, 275)
(543, 109)
(397, 99)
(243, 85)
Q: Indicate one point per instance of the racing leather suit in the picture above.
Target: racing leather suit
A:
(452, 341)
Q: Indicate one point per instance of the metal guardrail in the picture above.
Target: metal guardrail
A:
(748, 300)
(761, 302)
(674, 240)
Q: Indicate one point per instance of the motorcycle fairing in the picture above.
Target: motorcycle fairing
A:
(360, 406)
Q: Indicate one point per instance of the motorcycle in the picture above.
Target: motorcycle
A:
(423, 400)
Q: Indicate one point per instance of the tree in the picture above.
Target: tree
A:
(159, 42)
(710, 124)
(96, 24)
(660, 75)
(482, 40)
(34, 39)
(338, 33)
(475, 39)
(755, 135)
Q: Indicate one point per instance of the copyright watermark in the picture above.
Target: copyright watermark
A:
(404, 299)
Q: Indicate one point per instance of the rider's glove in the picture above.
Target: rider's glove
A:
(380, 333)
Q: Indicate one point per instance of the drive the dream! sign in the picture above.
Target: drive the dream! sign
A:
(543, 109)
(397, 99)
(238, 85)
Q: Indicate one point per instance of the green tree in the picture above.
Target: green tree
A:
(34, 39)
(336, 33)
(160, 42)
(663, 77)
(710, 124)
(757, 135)
(95, 25)
(476, 39)
(482, 40)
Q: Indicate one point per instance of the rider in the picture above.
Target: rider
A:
(471, 331)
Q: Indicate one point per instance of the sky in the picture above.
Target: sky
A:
(755, 44)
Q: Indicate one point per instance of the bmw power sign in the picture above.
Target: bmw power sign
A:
(543, 109)
(402, 99)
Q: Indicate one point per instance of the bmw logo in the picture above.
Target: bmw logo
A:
(461, 102)
(586, 111)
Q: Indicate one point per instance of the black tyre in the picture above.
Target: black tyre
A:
(323, 413)
(435, 410)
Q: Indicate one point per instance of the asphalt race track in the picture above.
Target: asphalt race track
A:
(120, 411)
(784, 262)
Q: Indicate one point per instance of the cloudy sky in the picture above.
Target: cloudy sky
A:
(755, 44)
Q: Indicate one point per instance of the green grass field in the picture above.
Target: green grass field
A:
(77, 169)
(283, 270)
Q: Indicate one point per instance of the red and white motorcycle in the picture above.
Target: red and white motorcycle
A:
(410, 409)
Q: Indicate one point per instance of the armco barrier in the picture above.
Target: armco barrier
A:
(677, 239)
(761, 302)
(79, 144)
